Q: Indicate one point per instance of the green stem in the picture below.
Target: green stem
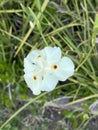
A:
(81, 100)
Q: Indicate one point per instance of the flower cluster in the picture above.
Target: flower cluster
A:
(44, 68)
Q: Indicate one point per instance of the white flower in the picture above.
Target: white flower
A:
(44, 68)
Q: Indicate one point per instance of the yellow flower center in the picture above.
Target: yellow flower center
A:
(54, 67)
(35, 77)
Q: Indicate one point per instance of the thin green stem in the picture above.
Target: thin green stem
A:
(81, 100)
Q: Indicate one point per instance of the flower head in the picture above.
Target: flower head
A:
(44, 68)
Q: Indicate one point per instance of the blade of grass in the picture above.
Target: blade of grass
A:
(11, 11)
(11, 35)
(81, 100)
(33, 25)
(95, 31)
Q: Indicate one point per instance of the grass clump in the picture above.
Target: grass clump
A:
(26, 25)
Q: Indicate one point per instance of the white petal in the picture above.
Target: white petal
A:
(65, 69)
(49, 83)
(28, 66)
(31, 56)
(36, 56)
(52, 54)
(34, 85)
